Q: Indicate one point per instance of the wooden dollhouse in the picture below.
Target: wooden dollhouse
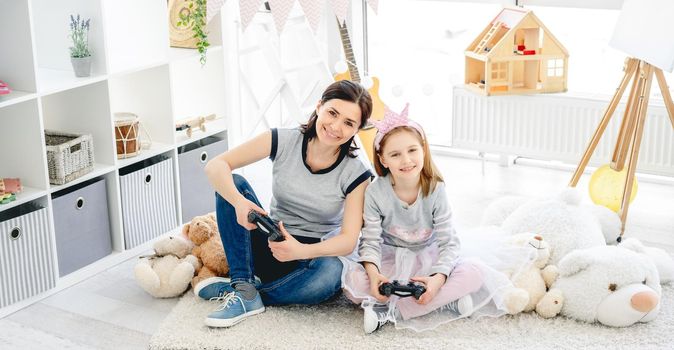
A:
(516, 54)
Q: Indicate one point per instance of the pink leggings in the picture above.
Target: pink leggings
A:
(466, 278)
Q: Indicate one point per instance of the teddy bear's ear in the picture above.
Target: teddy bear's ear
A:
(633, 244)
(574, 262)
(570, 196)
(609, 221)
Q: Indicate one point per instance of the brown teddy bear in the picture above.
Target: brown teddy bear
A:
(203, 232)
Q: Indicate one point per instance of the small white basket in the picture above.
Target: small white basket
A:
(69, 156)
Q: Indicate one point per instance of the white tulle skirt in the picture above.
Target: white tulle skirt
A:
(479, 272)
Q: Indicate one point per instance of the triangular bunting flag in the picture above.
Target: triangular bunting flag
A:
(312, 9)
(213, 8)
(248, 8)
(340, 8)
(280, 10)
(374, 4)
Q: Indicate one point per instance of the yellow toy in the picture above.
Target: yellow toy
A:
(607, 186)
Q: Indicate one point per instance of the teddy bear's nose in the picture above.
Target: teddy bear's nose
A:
(644, 301)
(538, 238)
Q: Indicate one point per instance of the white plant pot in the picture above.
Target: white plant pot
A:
(81, 66)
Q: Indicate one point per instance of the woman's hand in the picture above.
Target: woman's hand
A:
(289, 249)
(376, 279)
(433, 285)
(243, 207)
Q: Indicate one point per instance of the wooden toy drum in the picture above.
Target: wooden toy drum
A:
(126, 135)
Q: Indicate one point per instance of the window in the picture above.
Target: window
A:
(556, 68)
(499, 71)
(416, 49)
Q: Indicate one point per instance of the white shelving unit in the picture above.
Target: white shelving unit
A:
(134, 70)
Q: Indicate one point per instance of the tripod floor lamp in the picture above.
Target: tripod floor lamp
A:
(641, 25)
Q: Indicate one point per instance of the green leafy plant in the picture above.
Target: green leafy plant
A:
(79, 33)
(195, 18)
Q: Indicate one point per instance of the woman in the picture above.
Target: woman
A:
(318, 190)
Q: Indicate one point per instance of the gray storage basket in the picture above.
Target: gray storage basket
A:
(69, 156)
(197, 195)
(81, 225)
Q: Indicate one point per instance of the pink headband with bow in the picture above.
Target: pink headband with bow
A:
(393, 120)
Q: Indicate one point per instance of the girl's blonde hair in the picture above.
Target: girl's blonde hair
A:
(430, 175)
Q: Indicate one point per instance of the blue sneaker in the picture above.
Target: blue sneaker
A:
(234, 309)
(213, 288)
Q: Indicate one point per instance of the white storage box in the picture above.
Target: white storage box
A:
(26, 255)
(148, 200)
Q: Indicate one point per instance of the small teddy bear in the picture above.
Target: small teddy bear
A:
(537, 278)
(168, 272)
(613, 285)
(203, 232)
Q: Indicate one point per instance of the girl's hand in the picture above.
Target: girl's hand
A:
(288, 249)
(376, 279)
(433, 285)
(243, 207)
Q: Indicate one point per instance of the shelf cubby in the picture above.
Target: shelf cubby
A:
(136, 33)
(147, 94)
(17, 66)
(198, 90)
(22, 153)
(83, 110)
(51, 22)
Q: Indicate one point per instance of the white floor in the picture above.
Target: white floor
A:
(109, 310)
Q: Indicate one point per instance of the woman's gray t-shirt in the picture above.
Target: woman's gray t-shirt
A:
(310, 204)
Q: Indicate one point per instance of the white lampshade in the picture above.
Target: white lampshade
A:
(645, 30)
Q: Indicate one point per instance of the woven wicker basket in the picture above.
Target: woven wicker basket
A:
(69, 156)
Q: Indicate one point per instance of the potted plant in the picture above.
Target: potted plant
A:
(80, 57)
(195, 17)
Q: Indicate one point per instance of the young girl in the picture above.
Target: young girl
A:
(408, 236)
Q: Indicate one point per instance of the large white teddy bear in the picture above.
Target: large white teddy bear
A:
(561, 220)
(612, 285)
(169, 271)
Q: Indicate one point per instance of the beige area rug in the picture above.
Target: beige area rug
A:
(338, 325)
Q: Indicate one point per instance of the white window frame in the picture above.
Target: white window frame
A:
(499, 71)
(556, 67)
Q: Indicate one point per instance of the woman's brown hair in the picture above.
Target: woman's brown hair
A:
(348, 91)
(430, 175)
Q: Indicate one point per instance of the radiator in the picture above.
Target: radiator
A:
(555, 127)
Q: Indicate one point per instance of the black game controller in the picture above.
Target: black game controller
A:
(402, 290)
(266, 225)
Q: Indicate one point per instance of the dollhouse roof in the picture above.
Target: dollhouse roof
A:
(513, 19)
(510, 17)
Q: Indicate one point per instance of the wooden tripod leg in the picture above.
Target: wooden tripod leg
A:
(642, 106)
(630, 68)
(665, 93)
(624, 139)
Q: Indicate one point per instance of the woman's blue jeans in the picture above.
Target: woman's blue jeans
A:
(308, 281)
